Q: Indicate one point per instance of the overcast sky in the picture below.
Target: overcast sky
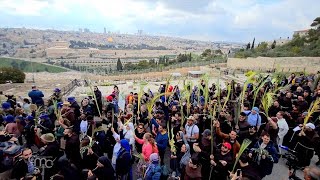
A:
(212, 20)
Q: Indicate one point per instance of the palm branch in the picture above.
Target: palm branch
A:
(151, 103)
(261, 83)
(244, 146)
(139, 97)
(167, 87)
(250, 79)
(213, 114)
(95, 98)
(228, 96)
(267, 101)
(315, 107)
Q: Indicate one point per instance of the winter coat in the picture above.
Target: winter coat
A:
(51, 150)
(153, 172)
(72, 149)
(192, 174)
(123, 164)
(266, 165)
(12, 128)
(36, 97)
(106, 172)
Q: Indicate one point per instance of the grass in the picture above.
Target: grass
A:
(27, 66)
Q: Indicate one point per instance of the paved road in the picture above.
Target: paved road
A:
(280, 170)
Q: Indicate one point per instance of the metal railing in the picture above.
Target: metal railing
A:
(70, 87)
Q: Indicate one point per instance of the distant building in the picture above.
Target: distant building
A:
(86, 30)
(140, 32)
(80, 30)
(301, 33)
(105, 30)
(195, 74)
(279, 42)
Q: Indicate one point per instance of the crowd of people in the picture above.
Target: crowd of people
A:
(199, 132)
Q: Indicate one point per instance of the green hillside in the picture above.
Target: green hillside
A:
(306, 45)
(27, 66)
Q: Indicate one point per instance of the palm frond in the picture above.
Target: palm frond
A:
(167, 87)
(213, 114)
(244, 146)
(267, 101)
(140, 96)
(250, 79)
(94, 96)
(228, 96)
(151, 103)
(315, 107)
(206, 89)
(171, 140)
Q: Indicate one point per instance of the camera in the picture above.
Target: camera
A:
(291, 159)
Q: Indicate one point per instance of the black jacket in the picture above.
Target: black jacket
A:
(72, 149)
(20, 169)
(122, 164)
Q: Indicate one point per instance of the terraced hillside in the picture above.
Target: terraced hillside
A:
(29, 66)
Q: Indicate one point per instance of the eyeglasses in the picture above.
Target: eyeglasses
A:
(140, 128)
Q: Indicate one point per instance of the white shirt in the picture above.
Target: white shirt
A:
(191, 131)
(84, 126)
(283, 127)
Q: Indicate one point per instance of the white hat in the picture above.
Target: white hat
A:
(310, 125)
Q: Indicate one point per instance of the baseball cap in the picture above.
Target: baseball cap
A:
(227, 145)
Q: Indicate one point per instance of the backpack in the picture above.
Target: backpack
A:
(8, 151)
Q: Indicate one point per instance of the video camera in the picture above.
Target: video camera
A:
(291, 157)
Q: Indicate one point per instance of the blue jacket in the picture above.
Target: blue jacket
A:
(266, 165)
(36, 97)
(153, 172)
(162, 141)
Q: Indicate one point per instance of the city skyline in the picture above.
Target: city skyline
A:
(209, 20)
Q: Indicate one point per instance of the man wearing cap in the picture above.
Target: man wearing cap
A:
(6, 107)
(51, 146)
(221, 162)
(45, 124)
(191, 132)
(56, 96)
(230, 138)
(36, 96)
(75, 106)
(254, 119)
(29, 131)
(68, 113)
(11, 126)
(51, 151)
(307, 142)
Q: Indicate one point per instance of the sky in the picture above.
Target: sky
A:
(209, 20)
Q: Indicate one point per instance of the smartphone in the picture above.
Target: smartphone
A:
(238, 172)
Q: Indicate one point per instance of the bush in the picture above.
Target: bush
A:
(11, 74)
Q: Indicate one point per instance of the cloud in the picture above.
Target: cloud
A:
(23, 7)
(230, 20)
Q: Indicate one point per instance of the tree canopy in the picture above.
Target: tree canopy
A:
(11, 74)
(304, 45)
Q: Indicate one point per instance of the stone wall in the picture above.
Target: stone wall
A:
(287, 64)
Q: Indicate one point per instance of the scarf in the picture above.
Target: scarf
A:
(186, 157)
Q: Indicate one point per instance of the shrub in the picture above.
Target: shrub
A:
(11, 74)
